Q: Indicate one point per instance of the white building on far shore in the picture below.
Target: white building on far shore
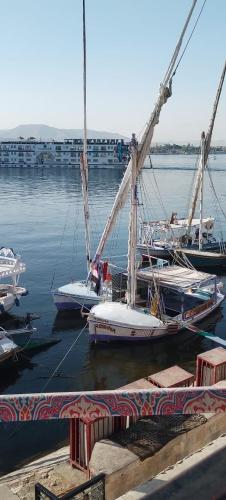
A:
(102, 153)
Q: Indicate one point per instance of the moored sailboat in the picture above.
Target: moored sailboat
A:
(77, 295)
(190, 238)
(174, 297)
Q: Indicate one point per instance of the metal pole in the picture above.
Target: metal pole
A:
(201, 189)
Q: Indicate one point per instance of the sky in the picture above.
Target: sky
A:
(129, 46)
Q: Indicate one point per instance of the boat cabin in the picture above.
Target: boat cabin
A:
(175, 232)
(182, 292)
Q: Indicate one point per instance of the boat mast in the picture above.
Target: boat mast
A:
(83, 158)
(201, 187)
(144, 147)
(207, 149)
(132, 240)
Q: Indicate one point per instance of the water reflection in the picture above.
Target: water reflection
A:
(68, 320)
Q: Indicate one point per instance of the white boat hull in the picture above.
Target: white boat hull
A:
(159, 252)
(75, 296)
(102, 329)
(11, 298)
(7, 348)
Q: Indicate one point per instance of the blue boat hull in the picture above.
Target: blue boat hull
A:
(200, 260)
(72, 306)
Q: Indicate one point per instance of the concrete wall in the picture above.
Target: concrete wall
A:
(124, 470)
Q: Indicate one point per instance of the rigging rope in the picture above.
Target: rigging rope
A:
(63, 359)
(51, 376)
(192, 32)
(61, 242)
(143, 149)
(215, 193)
(181, 260)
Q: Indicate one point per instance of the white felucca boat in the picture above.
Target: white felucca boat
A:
(199, 294)
(79, 294)
(179, 296)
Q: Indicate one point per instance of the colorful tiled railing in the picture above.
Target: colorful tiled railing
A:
(91, 405)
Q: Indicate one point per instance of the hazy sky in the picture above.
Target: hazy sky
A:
(129, 45)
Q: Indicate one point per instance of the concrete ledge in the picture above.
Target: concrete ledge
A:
(196, 475)
(124, 470)
(6, 494)
(109, 457)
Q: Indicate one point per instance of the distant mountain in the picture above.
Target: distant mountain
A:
(47, 133)
(40, 131)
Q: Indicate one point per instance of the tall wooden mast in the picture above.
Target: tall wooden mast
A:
(207, 149)
(83, 158)
(132, 240)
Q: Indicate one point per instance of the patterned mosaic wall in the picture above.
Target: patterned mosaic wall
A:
(91, 405)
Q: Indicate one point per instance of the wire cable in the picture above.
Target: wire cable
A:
(189, 39)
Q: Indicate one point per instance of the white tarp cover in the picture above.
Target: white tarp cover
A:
(116, 312)
(175, 276)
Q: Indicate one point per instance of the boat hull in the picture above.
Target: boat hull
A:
(208, 258)
(8, 348)
(7, 356)
(205, 259)
(7, 303)
(69, 302)
(21, 337)
(65, 303)
(78, 295)
(157, 252)
(100, 334)
(101, 330)
(11, 298)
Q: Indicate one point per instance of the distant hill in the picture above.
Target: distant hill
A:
(47, 133)
(44, 132)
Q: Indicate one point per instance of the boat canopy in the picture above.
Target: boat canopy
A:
(176, 277)
(7, 252)
(10, 263)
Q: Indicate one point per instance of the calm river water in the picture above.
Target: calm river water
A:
(42, 219)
